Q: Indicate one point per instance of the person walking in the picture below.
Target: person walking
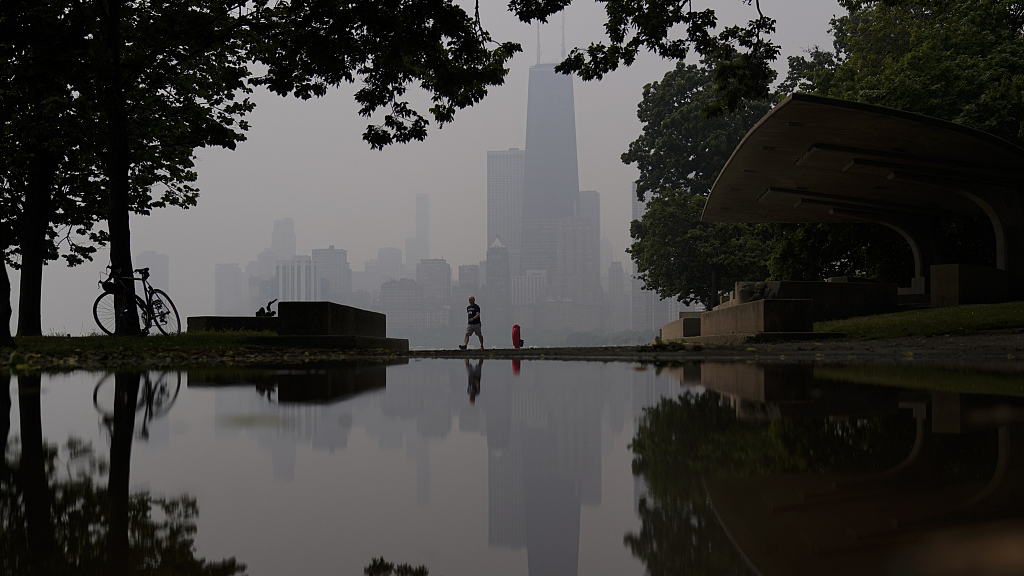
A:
(473, 326)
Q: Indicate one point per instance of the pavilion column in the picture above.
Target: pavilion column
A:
(1005, 210)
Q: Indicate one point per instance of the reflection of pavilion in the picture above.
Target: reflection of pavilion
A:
(906, 520)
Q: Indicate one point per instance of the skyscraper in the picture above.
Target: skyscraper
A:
(418, 247)
(550, 171)
(231, 295)
(434, 275)
(496, 307)
(332, 265)
(298, 279)
(282, 240)
(505, 202)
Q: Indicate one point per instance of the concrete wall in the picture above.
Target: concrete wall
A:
(222, 323)
(329, 319)
(955, 284)
(759, 316)
(682, 328)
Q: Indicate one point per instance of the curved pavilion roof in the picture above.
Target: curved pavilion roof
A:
(816, 159)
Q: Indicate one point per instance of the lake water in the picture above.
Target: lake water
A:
(501, 468)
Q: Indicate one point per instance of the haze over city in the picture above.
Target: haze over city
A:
(306, 160)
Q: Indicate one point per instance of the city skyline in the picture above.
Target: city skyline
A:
(306, 160)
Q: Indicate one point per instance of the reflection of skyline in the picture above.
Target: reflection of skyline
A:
(546, 430)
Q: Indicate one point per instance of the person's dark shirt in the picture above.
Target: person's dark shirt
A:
(472, 310)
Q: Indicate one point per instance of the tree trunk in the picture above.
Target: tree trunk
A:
(5, 419)
(34, 223)
(32, 474)
(117, 167)
(126, 391)
(6, 341)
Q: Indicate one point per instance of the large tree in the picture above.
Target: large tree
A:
(679, 256)
(149, 81)
(680, 153)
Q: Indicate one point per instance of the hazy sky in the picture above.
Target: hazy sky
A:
(306, 160)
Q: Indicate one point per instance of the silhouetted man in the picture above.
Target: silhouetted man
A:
(473, 327)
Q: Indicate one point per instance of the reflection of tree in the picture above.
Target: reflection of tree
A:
(681, 440)
(381, 567)
(678, 440)
(93, 527)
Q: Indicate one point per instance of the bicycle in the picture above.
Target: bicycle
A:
(156, 309)
(155, 399)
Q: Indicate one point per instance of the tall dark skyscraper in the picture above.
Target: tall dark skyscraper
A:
(551, 180)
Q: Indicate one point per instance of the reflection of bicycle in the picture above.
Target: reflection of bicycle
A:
(156, 309)
(156, 396)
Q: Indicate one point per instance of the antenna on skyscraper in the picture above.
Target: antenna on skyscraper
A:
(563, 34)
(538, 41)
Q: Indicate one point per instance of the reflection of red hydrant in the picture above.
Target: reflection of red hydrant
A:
(515, 367)
(516, 341)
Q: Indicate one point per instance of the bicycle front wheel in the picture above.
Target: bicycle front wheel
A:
(165, 315)
(106, 312)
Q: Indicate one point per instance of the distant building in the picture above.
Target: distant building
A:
(550, 172)
(402, 303)
(526, 290)
(418, 247)
(231, 294)
(505, 201)
(390, 262)
(335, 273)
(498, 302)
(575, 276)
(434, 275)
(282, 240)
(298, 279)
(159, 268)
(618, 299)
(590, 211)
(469, 276)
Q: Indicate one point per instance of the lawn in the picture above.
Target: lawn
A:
(952, 320)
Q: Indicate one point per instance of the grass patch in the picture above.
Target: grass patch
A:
(183, 342)
(952, 320)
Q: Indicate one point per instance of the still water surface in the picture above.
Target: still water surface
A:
(538, 469)
(466, 469)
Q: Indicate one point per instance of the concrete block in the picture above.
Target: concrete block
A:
(955, 284)
(691, 327)
(225, 323)
(677, 330)
(759, 316)
(329, 319)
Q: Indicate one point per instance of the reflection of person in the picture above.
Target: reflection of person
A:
(473, 325)
(474, 379)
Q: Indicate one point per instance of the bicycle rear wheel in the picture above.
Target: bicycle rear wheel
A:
(165, 315)
(106, 313)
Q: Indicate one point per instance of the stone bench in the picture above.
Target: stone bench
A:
(310, 325)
